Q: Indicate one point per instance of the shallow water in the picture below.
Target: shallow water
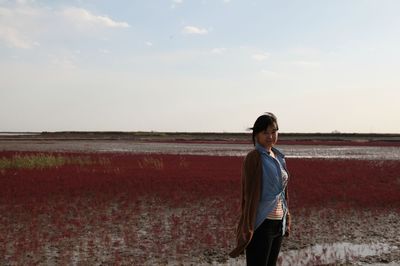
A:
(331, 253)
(328, 254)
(291, 151)
(19, 134)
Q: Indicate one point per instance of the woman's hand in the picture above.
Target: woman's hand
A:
(288, 224)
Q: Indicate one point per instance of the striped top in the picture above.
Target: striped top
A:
(277, 212)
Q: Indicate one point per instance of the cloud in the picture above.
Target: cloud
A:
(24, 1)
(14, 38)
(194, 30)
(305, 63)
(64, 61)
(261, 56)
(149, 43)
(104, 51)
(80, 16)
(17, 25)
(305, 51)
(24, 24)
(218, 50)
(175, 3)
(270, 74)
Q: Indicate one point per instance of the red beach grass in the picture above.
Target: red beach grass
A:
(126, 208)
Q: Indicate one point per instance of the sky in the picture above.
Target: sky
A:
(200, 66)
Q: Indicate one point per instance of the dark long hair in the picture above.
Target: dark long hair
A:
(262, 123)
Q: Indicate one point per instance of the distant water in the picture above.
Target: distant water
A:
(291, 151)
(18, 134)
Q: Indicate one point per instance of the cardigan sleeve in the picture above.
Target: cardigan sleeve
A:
(250, 192)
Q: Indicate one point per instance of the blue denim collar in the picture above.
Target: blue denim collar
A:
(261, 149)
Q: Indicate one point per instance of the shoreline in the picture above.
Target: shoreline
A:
(356, 139)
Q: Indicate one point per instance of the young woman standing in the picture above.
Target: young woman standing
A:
(264, 218)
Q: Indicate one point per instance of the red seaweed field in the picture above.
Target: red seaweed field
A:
(157, 209)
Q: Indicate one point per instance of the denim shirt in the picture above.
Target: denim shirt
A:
(274, 181)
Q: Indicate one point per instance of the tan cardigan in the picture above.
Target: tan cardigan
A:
(250, 197)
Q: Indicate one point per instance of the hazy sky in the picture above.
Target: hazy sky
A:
(205, 65)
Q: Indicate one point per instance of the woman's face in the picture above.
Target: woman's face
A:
(268, 137)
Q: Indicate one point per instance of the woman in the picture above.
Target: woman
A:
(264, 218)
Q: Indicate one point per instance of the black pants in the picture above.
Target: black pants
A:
(264, 247)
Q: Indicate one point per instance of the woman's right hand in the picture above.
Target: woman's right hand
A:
(288, 224)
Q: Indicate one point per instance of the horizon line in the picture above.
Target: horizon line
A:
(188, 132)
